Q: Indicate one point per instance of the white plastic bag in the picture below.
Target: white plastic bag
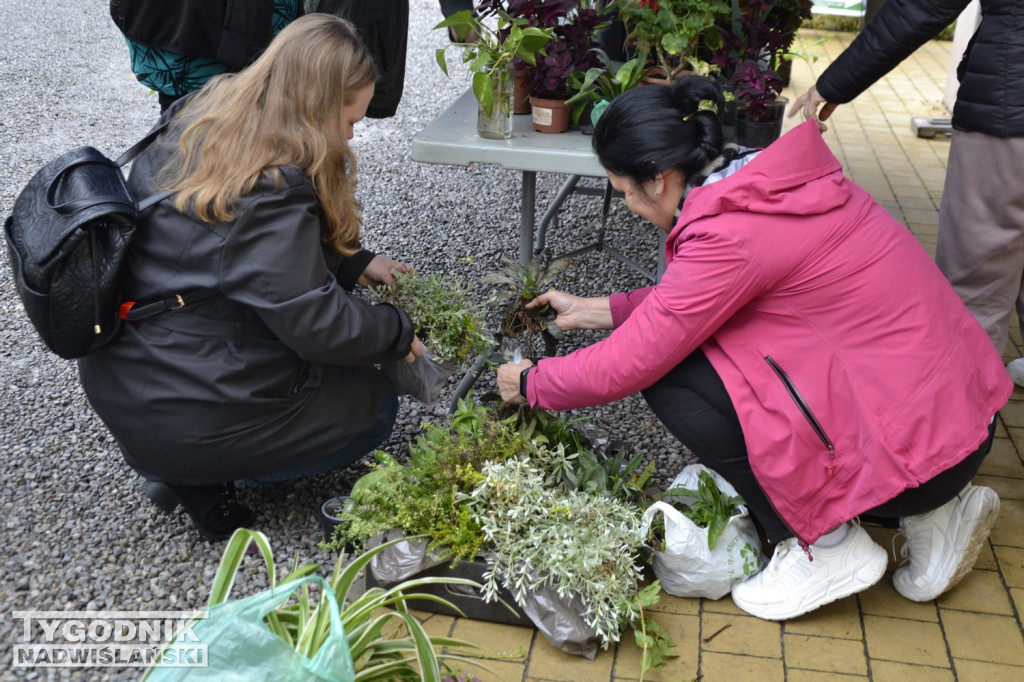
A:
(687, 568)
(424, 379)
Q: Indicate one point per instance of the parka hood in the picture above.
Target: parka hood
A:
(764, 185)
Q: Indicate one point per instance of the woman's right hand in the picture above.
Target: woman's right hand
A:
(574, 312)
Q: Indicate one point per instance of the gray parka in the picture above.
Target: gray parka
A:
(275, 370)
(990, 99)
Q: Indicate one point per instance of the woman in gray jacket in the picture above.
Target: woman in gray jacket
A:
(272, 373)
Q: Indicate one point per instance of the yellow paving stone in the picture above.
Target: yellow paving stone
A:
(838, 619)
(1009, 527)
(1002, 460)
(496, 639)
(825, 654)
(797, 675)
(1017, 594)
(741, 635)
(980, 671)
(435, 624)
(884, 600)
(548, 663)
(501, 671)
(1013, 414)
(889, 671)
(723, 605)
(1011, 565)
(905, 641)
(980, 591)
(734, 668)
(679, 605)
(974, 636)
(1008, 488)
(684, 630)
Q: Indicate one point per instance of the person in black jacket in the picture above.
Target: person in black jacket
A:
(176, 47)
(275, 375)
(981, 218)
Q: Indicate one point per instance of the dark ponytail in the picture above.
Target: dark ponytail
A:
(653, 128)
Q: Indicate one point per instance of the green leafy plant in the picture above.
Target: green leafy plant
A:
(495, 48)
(579, 544)
(601, 84)
(572, 463)
(446, 318)
(673, 34)
(385, 640)
(515, 285)
(422, 497)
(710, 507)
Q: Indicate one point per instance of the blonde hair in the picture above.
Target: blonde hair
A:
(283, 110)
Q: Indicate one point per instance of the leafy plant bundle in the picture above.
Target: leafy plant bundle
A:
(515, 285)
(673, 34)
(709, 508)
(452, 325)
(423, 496)
(573, 463)
(581, 545)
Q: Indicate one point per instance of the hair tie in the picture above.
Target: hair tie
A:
(689, 116)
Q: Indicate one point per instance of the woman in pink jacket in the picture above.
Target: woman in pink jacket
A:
(801, 343)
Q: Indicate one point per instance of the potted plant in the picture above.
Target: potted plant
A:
(759, 104)
(601, 84)
(675, 36)
(500, 40)
(574, 26)
(763, 30)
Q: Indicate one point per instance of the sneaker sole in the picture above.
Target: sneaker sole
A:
(843, 585)
(983, 524)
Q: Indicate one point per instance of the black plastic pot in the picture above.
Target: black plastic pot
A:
(330, 511)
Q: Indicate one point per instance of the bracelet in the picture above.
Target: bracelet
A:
(522, 381)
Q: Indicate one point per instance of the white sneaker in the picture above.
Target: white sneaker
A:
(792, 584)
(1016, 370)
(944, 543)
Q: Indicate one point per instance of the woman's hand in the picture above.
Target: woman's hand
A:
(574, 312)
(379, 272)
(508, 381)
(809, 102)
(417, 350)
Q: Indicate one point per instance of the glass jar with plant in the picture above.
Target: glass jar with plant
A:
(500, 40)
(675, 36)
(574, 26)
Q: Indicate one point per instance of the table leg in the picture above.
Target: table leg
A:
(526, 217)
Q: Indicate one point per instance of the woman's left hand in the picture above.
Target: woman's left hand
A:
(508, 382)
(379, 272)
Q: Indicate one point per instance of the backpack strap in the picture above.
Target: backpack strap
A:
(132, 311)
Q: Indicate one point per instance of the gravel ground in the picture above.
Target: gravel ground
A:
(77, 532)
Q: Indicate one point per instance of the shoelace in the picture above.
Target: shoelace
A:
(904, 558)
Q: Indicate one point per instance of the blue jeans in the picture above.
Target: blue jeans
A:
(379, 432)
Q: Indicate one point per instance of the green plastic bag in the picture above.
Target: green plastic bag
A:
(240, 647)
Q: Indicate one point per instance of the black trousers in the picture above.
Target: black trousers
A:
(692, 403)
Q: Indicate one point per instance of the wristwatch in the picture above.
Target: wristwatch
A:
(522, 381)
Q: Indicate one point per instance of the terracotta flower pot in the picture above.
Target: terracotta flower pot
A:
(550, 115)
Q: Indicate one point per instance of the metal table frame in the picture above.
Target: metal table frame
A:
(451, 139)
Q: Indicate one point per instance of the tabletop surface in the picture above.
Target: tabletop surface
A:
(451, 138)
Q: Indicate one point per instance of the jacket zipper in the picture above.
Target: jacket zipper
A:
(805, 409)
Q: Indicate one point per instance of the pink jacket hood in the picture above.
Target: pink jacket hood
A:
(792, 279)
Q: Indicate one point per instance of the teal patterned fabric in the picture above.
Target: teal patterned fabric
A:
(173, 74)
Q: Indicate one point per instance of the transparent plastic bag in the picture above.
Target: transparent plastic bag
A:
(424, 379)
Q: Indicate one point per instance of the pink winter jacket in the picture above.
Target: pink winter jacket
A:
(794, 281)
